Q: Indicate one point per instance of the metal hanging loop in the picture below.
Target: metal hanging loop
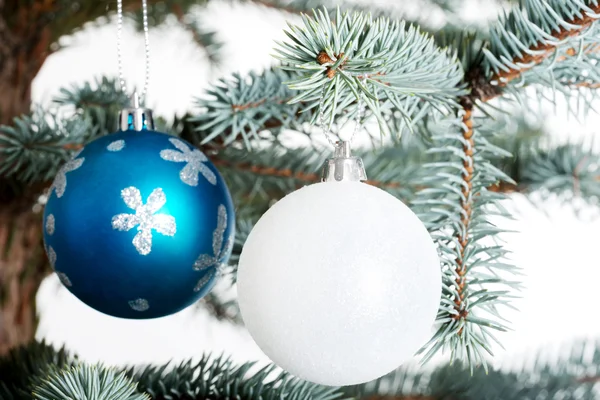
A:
(342, 167)
(134, 117)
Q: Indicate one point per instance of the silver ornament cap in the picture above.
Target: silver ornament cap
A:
(134, 117)
(343, 167)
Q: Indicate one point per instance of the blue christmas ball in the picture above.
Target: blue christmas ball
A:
(139, 224)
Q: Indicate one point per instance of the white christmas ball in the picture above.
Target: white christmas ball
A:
(339, 283)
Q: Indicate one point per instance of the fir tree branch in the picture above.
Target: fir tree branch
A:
(454, 206)
(565, 172)
(300, 7)
(246, 106)
(529, 171)
(580, 19)
(35, 147)
(538, 33)
(396, 169)
(561, 379)
(398, 73)
(219, 377)
(54, 374)
(388, 66)
(259, 177)
(98, 102)
(299, 176)
(428, 16)
(24, 367)
(466, 334)
(572, 376)
(85, 382)
(588, 85)
(465, 215)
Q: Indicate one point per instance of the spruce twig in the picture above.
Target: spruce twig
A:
(541, 51)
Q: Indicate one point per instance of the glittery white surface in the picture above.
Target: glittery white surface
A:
(51, 256)
(132, 197)
(194, 160)
(144, 218)
(205, 261)
(64, 279)
(205, 279)
(117, 145)
(339, 283)
(139, 304)
(50, 224)
(60, 181)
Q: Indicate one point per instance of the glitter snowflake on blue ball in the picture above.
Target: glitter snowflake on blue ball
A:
(138, 224)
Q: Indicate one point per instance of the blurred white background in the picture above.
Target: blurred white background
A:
(555, 247)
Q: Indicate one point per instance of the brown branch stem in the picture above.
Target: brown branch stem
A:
(304, 177)
(543, 51)
(487, 89)
(309, 177)
(588, 85)
(467, 209)
(242, 107)
(589, 379)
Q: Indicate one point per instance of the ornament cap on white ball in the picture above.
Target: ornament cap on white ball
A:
(343, 167)
(339, 282)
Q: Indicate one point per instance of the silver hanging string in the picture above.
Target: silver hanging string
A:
(331, 138)
(146, 46)
(360, 113)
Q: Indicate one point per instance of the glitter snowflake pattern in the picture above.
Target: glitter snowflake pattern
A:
(202, 282)
(51, 256)
(117, 145)
(139, 304)
(144, 218)
(220, 249)
(50, 224)
(194, 160)
(60, 182)
(64, 279)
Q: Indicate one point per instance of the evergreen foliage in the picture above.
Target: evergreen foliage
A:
(575, 376)
(85, 382)
(439, 102)
(458, 381)
(22, 368)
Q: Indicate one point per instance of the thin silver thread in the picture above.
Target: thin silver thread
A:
(331, 138)
(146, 46)
(322, 122)
(360, 113)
